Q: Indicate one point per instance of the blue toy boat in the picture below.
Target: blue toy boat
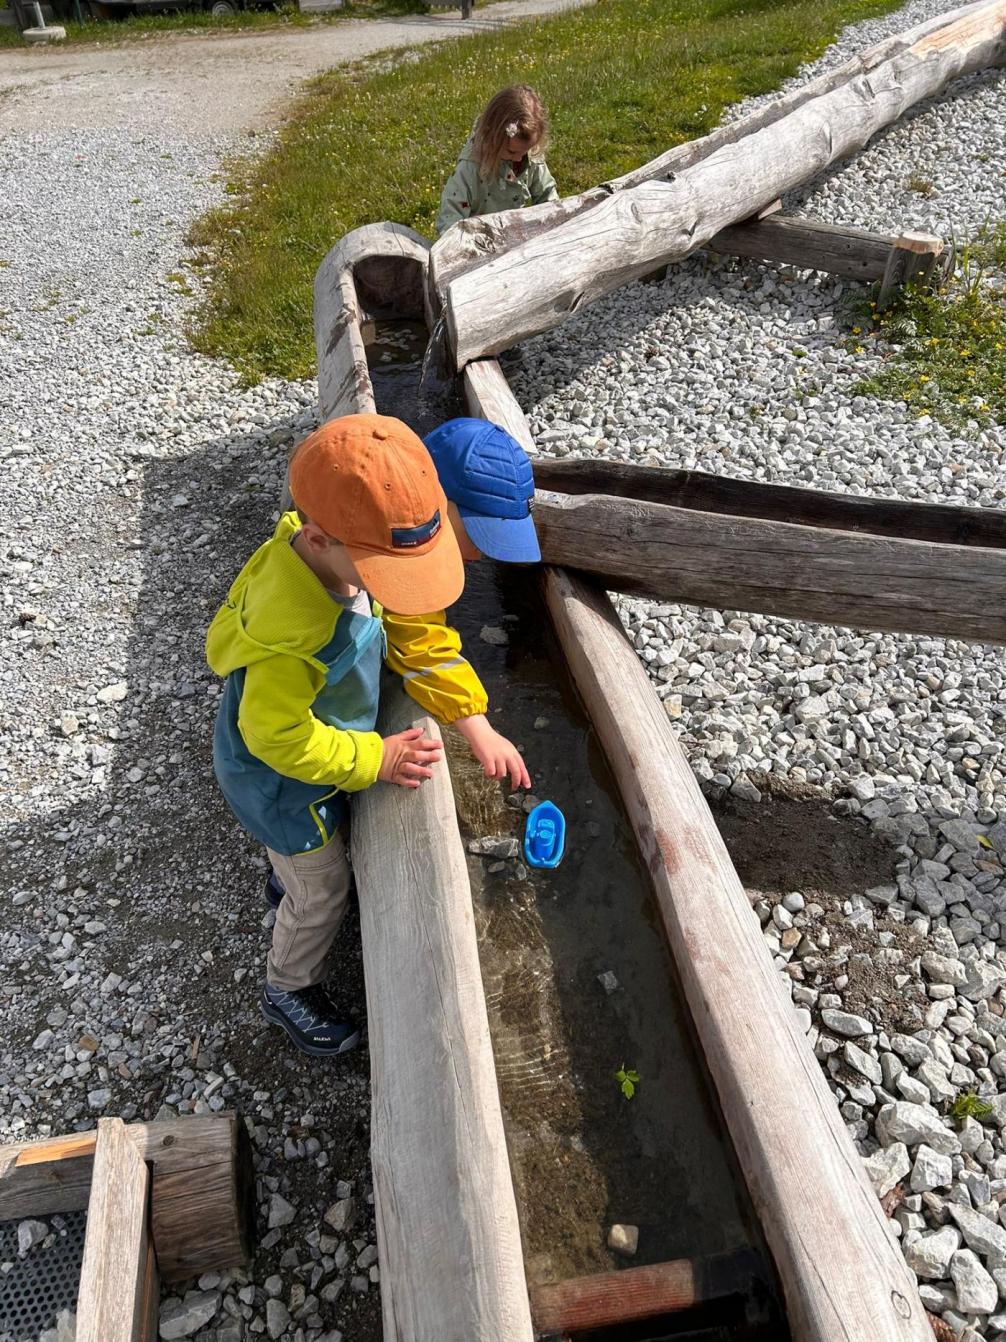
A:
(544, 836)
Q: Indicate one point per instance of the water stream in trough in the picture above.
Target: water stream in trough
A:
(583, 1156)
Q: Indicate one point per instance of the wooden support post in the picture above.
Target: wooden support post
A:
(912, 260)
(118, 1276)
(842, 1274)
(202, 1195)
(635, 1293)
(447, 1231)
(854, 253)
(451, 1261)
(547, 279)
(780, 564)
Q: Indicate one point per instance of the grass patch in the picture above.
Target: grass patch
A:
(624, 79)
(951, 357)
(199, 22)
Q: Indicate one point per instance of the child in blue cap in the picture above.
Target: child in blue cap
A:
(489, 484)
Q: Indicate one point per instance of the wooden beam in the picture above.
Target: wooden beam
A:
(586, 1303)
(202, 1196)
(472, 242)
(447, 1230)
(915, 258)
(843, 1275)
(776, 567)
(853, 253)
(117, 1276)
(547, 279)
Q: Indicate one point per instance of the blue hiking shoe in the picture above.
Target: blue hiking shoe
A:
(273, 892)
(310, 1018)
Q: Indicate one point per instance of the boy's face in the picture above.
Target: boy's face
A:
(469, 552)
(515, 149)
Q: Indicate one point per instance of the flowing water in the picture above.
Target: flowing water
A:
(583, 1155)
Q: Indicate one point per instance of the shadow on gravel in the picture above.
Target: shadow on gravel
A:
(139, 909)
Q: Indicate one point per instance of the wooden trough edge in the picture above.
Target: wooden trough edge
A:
(842, 1272)
(447, 1230)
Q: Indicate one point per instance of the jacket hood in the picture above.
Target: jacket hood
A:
(275, 605)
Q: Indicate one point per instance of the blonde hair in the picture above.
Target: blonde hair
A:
(516, 110)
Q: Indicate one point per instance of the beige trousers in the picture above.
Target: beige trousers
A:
(310, 913)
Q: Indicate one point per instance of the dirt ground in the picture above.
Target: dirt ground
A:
(215, 86)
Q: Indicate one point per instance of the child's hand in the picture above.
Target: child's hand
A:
(495, 753)
(407, 756)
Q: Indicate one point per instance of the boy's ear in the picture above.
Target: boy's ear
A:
(316, 539)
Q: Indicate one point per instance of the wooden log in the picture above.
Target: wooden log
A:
(913, 260)
(775, 567)
(447, 1231)
(202, 1196)
(842, 1272)
(541, 283)
(472, 242)
(117, 1275)
(853, 253)
(940, 523)
(636, 1293)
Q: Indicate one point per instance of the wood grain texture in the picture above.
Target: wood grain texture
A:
(447, 1231)
(542, 282)
(854, 253)
(776, 568)
(202, 1204)
(634, 1293)
(842, 1272)
(112, 1304)
(473, 242)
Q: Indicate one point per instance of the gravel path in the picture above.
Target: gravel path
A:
(198, 87)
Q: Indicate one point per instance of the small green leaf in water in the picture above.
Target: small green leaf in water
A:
(627, 1080)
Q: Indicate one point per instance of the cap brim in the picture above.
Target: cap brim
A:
(511, 540)
(413, 584)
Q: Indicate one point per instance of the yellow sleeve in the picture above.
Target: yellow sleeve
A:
(278, 727)
(426, 653)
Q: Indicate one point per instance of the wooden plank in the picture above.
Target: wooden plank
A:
(854, 253)
(842, 1274)
(915, 258)
(201, 1194)
(447, 1231)
(544, 281)
(472, 242)
(776, 568)
(636, 1293)
(940, 523)
(111, 1305)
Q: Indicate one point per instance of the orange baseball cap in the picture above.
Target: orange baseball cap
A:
(370, 483)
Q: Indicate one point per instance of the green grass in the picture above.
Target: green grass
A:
(624, 79)
(141, 27)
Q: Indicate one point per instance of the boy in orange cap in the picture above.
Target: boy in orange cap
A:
(300, 641)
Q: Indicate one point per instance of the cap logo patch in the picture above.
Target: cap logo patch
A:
(406, 538)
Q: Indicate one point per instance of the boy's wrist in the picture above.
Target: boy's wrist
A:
(473, 726)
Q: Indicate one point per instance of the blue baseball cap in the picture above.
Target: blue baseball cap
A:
(487, 474)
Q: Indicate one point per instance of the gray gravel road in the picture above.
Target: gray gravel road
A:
(200, 87)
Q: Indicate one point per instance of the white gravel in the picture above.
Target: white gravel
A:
(741, 369)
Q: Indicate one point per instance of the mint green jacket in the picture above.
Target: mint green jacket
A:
(513, 187)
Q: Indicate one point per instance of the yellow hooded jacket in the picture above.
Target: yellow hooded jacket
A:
(295, 727)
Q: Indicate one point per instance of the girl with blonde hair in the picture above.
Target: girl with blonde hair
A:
(502, 166)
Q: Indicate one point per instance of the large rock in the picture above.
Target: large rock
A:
(982, 979)
(888, 1167)
(845, 1023)
(914, 1124)
(863, 1063)
(182, 1318)
(931, 1170)
(943, 969)
(930, 1255)
(912, 1050)
(984, 1236)
(977, 1293)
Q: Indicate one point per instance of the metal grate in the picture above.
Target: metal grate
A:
(45, 1281)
